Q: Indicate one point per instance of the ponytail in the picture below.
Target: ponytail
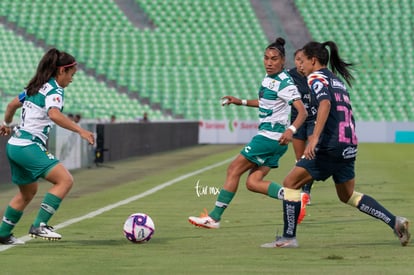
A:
(48, 67)
(337, 65)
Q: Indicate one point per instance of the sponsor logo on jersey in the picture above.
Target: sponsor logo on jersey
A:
(57, 99)
(336, 83)
(349, 152)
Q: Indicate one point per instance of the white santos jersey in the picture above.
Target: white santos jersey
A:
(35, 122)
(276, 96)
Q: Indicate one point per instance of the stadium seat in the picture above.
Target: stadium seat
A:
(186, 56)
(365, 34)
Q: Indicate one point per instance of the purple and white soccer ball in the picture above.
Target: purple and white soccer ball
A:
(139, 228)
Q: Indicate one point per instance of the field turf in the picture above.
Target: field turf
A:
(334, 238)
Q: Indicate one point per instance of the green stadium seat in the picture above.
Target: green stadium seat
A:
(365, 32)
(186, 57)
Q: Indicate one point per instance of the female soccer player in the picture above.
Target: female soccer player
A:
(42, 103)
(332, 148)
(305, 131)
(276, 94)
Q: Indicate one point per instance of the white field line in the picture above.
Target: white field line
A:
(104, 209)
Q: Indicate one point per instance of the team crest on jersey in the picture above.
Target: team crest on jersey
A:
(272, 84)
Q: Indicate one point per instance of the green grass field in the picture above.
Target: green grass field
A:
(334, 238)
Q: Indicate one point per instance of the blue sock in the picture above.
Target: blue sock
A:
(370, 206)
(291, 211)
(307, 187)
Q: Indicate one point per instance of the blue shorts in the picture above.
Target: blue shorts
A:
(305, 130)
(264, 151)
(322, 169)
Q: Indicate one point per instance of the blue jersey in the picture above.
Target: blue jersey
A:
(307, 97)
(338, 140)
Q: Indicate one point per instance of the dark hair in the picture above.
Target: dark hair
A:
(297, 51)
(278, 44)
(47, 68)
(319, 50)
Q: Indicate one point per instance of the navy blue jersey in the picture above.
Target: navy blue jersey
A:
(338, 139)
(307, 97)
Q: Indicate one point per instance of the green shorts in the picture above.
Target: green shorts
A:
(29, 163)
(264, 151)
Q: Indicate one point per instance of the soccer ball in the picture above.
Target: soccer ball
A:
(139, 228)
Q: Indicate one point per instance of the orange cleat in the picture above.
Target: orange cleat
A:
(304, 198)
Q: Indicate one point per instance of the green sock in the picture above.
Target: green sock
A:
(275, 191)
(48, 207)
(223, 200)
(10, 219)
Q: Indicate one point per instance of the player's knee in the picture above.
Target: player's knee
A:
(27, 197)
(66, 182)
(251, 185)
(27, 193)
(69, 183)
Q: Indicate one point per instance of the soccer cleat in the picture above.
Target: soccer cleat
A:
(309, 199)
(11, 240)
(401, 230)
(45, 232)
(204, 221)
(282, 242)
(304, 199)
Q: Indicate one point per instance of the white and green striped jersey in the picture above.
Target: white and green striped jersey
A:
(276, 96)
(35, 123)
